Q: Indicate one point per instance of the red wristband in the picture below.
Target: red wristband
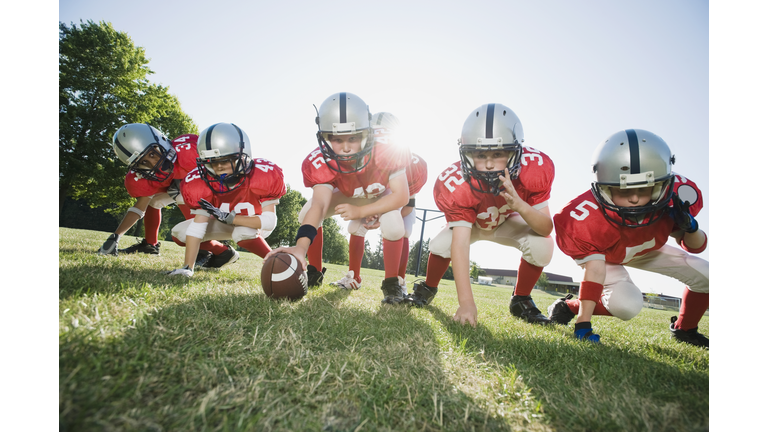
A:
(590, 291)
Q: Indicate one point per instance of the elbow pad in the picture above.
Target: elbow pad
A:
(268, 221)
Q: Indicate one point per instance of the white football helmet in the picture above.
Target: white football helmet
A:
(490, 127)
(224, 142)
(135, 140)
(633, 158)
(344, 114)
(385, 126)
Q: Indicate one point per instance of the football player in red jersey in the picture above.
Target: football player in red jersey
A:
(636, 203)
(385, 131)
(355, 179)
(155, 166)
(232, 196)
(499, 192)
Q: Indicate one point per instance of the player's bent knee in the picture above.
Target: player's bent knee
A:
(441, 244)
(241, 233)
(392, 228)
(161, 200)
(624, 301)
(540, 251)
(180, 231)
(699, 282)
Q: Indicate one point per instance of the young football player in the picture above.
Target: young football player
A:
(385, 131)
(635, 204)
(355, 179)
(232, 196)
(498, 191)
(155, 167)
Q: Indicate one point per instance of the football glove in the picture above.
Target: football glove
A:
(110, 246)
(184, 271)
(222, 216)
(583, 332)
(682, 215)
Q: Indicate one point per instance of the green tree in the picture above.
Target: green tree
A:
(102, 85)
(543, 281)
(413, 255)
(367, 256)
(335, 245)
(287, 211)
(377, 256)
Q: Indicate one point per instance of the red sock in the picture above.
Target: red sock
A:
(391, 251)
(404, 258)
(152, 219)
(214, 246)
(436, 268)
(257, 245)
(527, 276)
(573, 305)
(356, 251)
(692, 309)
(315, 252)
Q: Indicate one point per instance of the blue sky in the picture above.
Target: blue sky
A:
(574, 72)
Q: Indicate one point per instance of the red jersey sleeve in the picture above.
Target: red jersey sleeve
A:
(454, 197)
(417, 174)
(687, 190)
(537, 173)
(138, 186)
(186, 155)
(269, 180)
(581, 229)
(193, 188)
(390, 158)
(315, 171)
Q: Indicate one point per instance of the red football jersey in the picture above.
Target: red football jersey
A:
(582, 230)
(417, 174)
(264, 185)
(370, 182)
(186, 161)
(459, 202)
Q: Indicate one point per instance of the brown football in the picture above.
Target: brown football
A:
(282, 277)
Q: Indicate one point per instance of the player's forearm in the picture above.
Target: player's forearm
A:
(247, 221)
(539, 222)
(695, 240)
(460, 265)
(385, 204)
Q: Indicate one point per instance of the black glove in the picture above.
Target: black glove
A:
(226, 217)
(682, 215)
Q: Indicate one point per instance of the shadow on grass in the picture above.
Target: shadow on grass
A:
(244, 362)
(625, 390)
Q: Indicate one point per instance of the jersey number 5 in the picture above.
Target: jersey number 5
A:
(583, 209)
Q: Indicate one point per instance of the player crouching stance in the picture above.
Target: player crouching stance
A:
(498, 192)
(636, 203)
(385, 132)
(355, 179)
(232, 196)
(155, 167)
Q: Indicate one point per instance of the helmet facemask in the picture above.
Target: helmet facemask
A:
(162, 169)
(345, 114)
(631, 159)
(237, 156)
(132, 144)
(488, 181)
(490, 127)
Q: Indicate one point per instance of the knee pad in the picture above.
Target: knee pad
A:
(699, 283)
(356, 227)
(161, 200)
(440, 245)
(241, 233)
(180, 230)
(624, 300)
(538, 250)
(392, 225)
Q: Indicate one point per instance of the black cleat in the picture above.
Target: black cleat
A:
(314, 277)
(524, 308)
(559, 312)
(229, 256)
(142, 247)
(203, 256)
(393, 293)
(691, 336)
(422, 295)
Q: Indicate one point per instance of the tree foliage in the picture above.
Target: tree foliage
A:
(287, 212)
(102, 85)
(335, 245)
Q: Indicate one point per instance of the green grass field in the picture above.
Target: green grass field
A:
(142, 351)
